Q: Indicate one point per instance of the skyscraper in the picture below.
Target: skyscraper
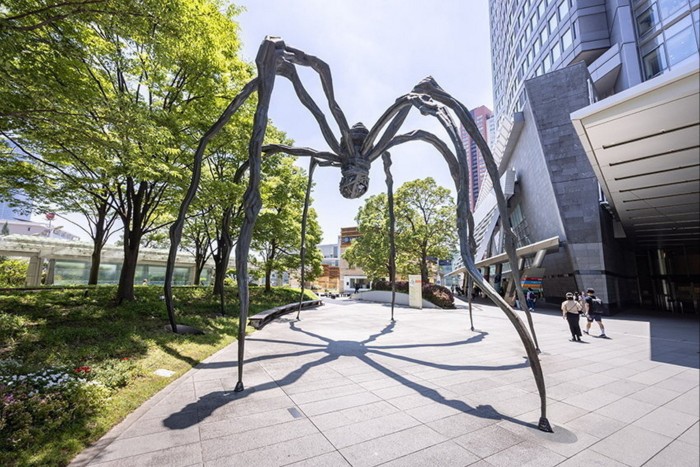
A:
(596, 116)
(477, 169)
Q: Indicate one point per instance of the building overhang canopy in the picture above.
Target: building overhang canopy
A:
(643, 144)
(544, 246)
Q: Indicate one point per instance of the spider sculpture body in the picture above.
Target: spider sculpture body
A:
(354, 153)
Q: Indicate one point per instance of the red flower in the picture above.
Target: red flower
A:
(125, 359)
(82, 369)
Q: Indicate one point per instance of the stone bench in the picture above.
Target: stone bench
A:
(259, 320)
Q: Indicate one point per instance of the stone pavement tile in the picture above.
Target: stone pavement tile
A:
(656, 375)
(440, 455)
(557, 413)
(326, 393)
(677, 454)
(436, 410)
(691, 435)
(241, 407)
(394, 391)
(463, 423)
(363, 431)
(624, 387)
(488, 440)
(393, 446)
(563, 441)
(179, 456)
(473, 386)
(595, 424)
(592, 399)
(338, 403)
(331, 459)
(276, 454)
(570, 375)
(687, 403)
(217, 428)
(563, 391)
(678, 383)
(590, 458)
(330, 420)
(379, 383)
(620, 372)
(309, 386)
(410, 401)
(667, 422)
(626, 410)
(121, 448)
(592, 381)
(518, 405)
(632, 445)
(654, 395)
(525, 454)
(150, 425)
(226, 446)
(481, 463)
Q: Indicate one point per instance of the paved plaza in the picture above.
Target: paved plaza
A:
(344, 386)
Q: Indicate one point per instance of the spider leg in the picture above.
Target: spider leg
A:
(288, 71)
(431, 88)
(176, 228)
(433, 95)
(266, 61)
(294, 151)
(298, 57)
(304, 218)
(386, 158)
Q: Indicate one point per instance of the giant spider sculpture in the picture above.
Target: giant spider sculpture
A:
(354, 153)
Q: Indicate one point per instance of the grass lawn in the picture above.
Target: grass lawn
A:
(73, 365)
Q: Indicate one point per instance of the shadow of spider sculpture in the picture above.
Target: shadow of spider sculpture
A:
(354, 153)
(321, 350)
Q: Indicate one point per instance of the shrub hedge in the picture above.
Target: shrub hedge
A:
(435, 294)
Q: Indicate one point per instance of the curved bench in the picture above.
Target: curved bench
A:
(258, 321)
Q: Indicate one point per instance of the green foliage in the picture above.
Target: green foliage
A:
(425, 227)
(13, 272)
(109, 101)
(72, 366)
(435, 294)
(277, 234)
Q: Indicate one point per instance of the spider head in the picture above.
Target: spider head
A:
(355, 165)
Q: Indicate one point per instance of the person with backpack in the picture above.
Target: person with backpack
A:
(594, 312)
(571, 309)
(530, 299)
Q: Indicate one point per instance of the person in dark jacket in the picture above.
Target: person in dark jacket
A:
(594, 312)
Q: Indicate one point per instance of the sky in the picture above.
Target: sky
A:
(377, 51)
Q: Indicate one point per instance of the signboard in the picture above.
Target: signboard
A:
(532, 283)
(415, 291)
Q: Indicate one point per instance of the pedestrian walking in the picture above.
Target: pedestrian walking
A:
(571, 311)
(530, 298)
(594, 312)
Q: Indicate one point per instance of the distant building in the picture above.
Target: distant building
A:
(483, 118)
(596, 105)
(350, 277)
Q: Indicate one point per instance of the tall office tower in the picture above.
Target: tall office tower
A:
(477, 169)
(596, 110)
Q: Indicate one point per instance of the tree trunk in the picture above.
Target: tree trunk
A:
(223, 253)
(198, 267)
(98, 240)
(125, 292)
(268, 276)
(424, 268)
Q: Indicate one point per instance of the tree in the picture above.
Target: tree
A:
(425, 228)
(13, 272)
(426, 223)
(122, 91)
(371, 250)
(277, 234)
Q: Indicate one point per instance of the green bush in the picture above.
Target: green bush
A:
(13, 272)
(435, 294)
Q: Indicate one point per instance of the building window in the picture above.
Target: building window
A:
(669, 7)
(547, 62)
(556, 52)
(544, 35)
(563, 9)
(553, 23)
(566, 39)
(540, 8)
(654, 62)
(646, 21)
(681, 45)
